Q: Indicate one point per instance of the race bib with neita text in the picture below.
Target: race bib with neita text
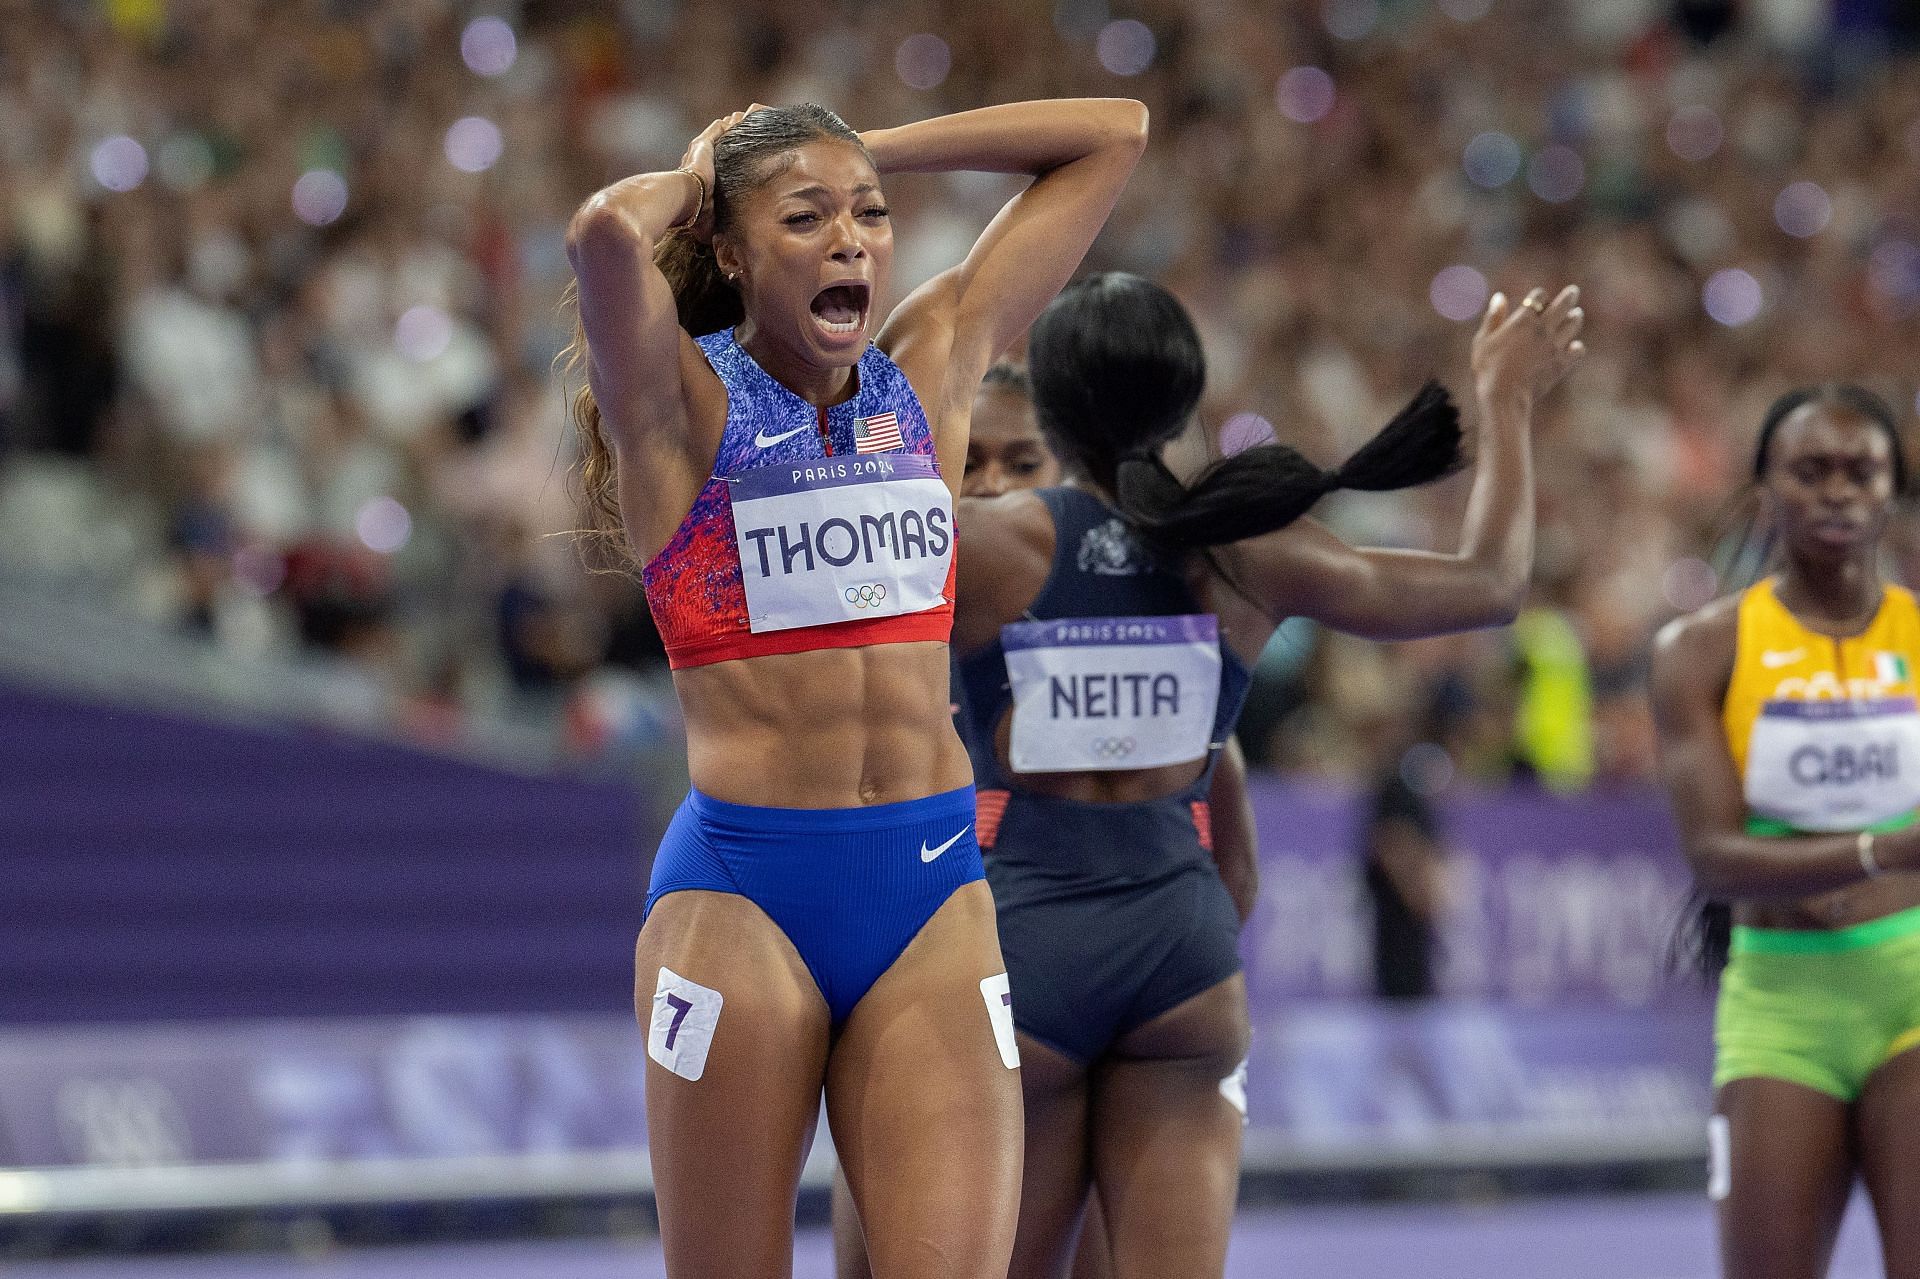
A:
(1104, 693)
(839, 539)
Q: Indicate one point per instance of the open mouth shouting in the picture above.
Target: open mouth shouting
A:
(840, 310)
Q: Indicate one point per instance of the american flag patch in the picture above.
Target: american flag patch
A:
(878, 433)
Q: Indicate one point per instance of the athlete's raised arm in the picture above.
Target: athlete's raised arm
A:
(1305, 570)
(627, 306)
(1080, 153)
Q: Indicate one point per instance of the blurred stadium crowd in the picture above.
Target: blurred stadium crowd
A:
(279, 291)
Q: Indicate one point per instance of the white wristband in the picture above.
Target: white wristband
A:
(1868, 862)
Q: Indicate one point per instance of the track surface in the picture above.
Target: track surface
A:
(1667, 1237)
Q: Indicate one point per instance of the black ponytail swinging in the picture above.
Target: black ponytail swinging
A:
(1704, 938)
(1117, 372)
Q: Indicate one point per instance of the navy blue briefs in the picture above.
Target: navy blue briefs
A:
(850, 887)
(1109, 914)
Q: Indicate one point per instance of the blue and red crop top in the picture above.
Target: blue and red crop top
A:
(818, 529)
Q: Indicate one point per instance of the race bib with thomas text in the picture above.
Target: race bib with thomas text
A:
(842, 539)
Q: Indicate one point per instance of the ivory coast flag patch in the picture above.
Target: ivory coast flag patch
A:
(1890, 668)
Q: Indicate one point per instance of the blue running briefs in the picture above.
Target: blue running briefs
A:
(850, 887)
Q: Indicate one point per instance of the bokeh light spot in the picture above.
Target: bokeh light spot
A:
(383, 525)
(1304, 94)
(1491, 160)
(473, 144)
(260, 569)
(119, 163)
(1125, 47)
(319, 196)
(1689, 583)
(488, 47)
(1458, 292)
(1243, 431)
(423, 333)
(1893, 268)
(1733, 297)
(1695, 133)
(922, 61)
(1556, 173)
(1803, 209)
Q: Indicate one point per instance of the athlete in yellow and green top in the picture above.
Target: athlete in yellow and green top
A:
(1790, 746)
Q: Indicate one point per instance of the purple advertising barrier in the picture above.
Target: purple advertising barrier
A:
(1552, 901)
(159, 866)
(1345, 1083)
(1328, 1084)
(320, 1091)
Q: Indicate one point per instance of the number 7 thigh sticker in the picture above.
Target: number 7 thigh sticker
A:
(999, 997)
(681, 1029)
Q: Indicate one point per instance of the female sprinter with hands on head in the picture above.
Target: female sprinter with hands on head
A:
(1790, 748)
(1105, 631)
(1006, 453)
(817, 916)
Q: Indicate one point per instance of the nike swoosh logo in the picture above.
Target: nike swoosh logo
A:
(766, 441)
(928, 854)
(1773, 661)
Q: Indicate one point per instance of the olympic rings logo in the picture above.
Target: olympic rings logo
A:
(867, 596)
(1114, 747)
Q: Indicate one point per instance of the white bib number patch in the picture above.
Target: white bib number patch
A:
(681, 1028)
(1107, 693)
(1234, 1089)
(999, 996)
(1834, 765)
(842, 539)
(1719, 1158)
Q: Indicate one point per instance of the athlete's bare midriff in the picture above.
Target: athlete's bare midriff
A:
(1841, 908)
(832, 728)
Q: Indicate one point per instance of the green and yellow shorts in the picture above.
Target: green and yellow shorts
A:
(1824, 1009)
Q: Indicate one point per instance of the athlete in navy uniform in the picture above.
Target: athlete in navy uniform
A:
(1105, 631)
(1006, 453)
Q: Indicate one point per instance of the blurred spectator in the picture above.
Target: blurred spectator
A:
(1403, 866)
(279, 291)
(1553, 732)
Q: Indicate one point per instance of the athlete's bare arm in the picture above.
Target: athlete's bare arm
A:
(1304, 570)
(641, 365)
(1008, 550)
(1692, 667)
(1236, 853)
(1080, 153)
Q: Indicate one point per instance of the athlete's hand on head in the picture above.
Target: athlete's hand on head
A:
(698, 160)
(1526, 349)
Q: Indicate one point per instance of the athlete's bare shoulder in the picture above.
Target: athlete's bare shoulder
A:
(1697, 650)
(1706, 629)
(1006, 551)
